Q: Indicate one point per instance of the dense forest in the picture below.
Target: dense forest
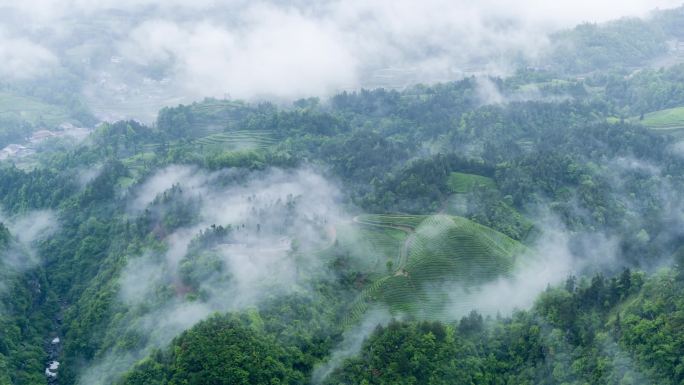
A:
(433, 234)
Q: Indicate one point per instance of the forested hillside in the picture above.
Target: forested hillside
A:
(525, 229)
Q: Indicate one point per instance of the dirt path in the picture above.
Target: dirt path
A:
(403, 252)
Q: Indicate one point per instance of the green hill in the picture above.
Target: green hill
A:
(439, 250)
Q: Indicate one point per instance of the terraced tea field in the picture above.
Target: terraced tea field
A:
(400, 221)
(238, 139)
(385, 245)
(228, 140)
(439, 250)
(212, 116)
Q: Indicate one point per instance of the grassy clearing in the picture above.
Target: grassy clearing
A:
(461, 183)
(670, 119)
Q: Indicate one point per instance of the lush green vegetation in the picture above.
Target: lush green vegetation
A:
(385, 258)
(219, 351)
(595, 331)
(26, 309)
(432, 193)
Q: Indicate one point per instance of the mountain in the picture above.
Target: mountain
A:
(515, 229)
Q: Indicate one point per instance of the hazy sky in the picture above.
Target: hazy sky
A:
(280, 49)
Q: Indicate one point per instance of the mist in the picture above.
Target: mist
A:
(164, 246)
(352, 341)
(23, 59)
(136, 56)
(27, 229)
(20, 254)
(278, 220)
(549, 262)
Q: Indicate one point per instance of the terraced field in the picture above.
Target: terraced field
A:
(213, 115)
(391, 220)
(385, 245)
(372, 247)
(31, 110)
(241, 140)
(667, 120)
(238, 139)
(228, 140)
(461, 183)
(440, 250)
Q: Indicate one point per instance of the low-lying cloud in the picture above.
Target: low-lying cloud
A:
(277, 219)
(352, 341)
(27, 229)
(21, 58)
(19, 254)
(139, 55)
(278, 53)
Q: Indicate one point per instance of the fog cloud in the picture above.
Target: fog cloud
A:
(140, 55)
(552, 259)
(278, 221)
(21, 58)
(278, 53)
(678, 149)
(352, 341)
(27, 229)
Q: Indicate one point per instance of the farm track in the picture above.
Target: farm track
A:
(403, 252)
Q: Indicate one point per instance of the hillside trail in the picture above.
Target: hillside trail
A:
(403, 253)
